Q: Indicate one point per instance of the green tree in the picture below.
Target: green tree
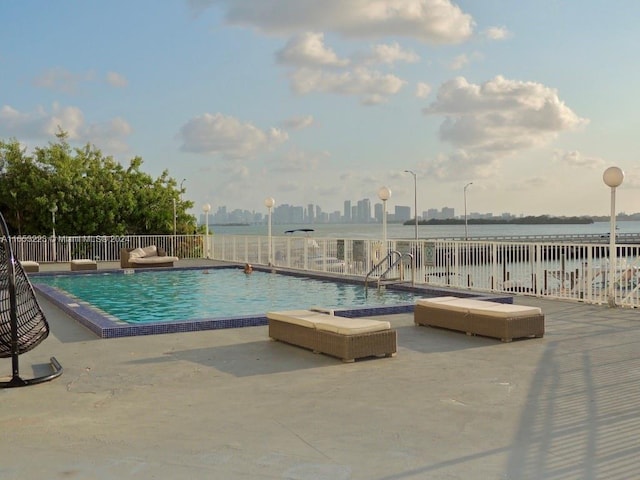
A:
(93, 194)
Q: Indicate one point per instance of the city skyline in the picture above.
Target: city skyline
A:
(530, 100)
(298, 214)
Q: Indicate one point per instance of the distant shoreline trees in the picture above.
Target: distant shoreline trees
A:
(528, 220)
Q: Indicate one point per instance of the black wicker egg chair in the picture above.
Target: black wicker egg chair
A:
(23, 325)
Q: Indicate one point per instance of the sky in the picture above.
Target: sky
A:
(318, 102)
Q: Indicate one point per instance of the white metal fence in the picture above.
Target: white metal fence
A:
(561, 271)
(554, 270)
(101, 248)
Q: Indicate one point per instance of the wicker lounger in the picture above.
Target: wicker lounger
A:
(333, 336)
(476, 317)
(154, 257)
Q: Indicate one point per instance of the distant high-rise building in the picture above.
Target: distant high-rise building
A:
(297, 215)
(448, 212)
(402, 213)
(431, 213)
(378, 212)
(364, 211)
(347, 211)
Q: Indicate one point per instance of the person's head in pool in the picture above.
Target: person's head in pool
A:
(248, 268)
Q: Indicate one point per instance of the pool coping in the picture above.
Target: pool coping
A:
(105, 325)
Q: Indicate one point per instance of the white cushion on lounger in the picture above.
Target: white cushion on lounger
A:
(136, 253)
(456, 304)
(304, 318)
(150, 251)
(436, 300)
(482, 307)
(506, 310)
(350, 326)
(151, 260)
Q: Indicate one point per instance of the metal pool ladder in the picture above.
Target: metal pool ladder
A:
(390, 270)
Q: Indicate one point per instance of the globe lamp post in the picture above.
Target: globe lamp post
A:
(269, 202)
(206, 208)
(613, 177)
(384, 194)
(466, 234)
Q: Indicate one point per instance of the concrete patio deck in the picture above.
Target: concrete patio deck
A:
(231, 404)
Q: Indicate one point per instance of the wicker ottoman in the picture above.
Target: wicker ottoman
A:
(30, 266)
(83, 264)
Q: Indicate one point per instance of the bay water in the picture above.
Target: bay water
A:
(399, 231)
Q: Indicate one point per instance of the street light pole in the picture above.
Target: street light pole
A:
(53, 210)
(175, 216)
(206, 208)
(385, 194)
(613, 177)
(269, 202)
(415, 199)
(466, 235)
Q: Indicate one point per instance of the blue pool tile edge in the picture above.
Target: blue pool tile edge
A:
(105, 327)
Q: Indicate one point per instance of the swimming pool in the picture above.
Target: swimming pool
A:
(116, 304)
(160, 296)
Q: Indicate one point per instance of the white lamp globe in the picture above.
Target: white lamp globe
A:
(384, 194)
(613, 177)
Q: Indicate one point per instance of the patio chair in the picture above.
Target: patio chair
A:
(23, 325)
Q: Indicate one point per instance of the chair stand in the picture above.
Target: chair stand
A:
(18, 381)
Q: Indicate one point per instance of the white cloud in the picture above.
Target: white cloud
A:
(501, 115)
(62, 81)
(43, 124)
(69, 119)
(117, 80)
(319, 69)
(423, 90)
(459, 62)
(576, 159)
(227, 136)
(390, 54)
(460, 165)
(298, 123)
(110, 135)
(434, 21)
(296, 160)
(373, 87)
(308, 50)
(497, 33)
(464, 59)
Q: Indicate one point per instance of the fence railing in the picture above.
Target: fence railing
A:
(554, 270)
(101, 248)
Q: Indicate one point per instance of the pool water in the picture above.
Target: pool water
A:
(192, 294)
